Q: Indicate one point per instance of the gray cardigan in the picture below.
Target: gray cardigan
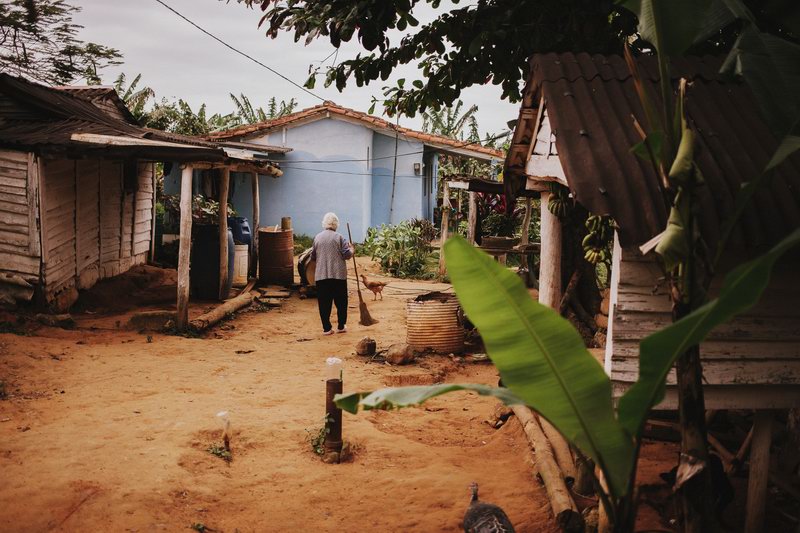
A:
(330, 251)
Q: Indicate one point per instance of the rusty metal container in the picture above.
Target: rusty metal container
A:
(433, 323)
(275, 257)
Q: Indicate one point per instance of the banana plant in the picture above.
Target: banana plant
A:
(544, 364)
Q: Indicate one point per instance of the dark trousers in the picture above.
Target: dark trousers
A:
(330, 291)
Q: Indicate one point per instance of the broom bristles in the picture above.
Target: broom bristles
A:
(366, 318)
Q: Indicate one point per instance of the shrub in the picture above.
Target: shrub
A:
(402, 249)
(302, 242)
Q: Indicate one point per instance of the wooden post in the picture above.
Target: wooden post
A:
(185, 246)
(152, 254)
(445, 223)
(224, 183)
(254, 231)
(472, 217)
(759, 472)
(524, 238)
(550, 258)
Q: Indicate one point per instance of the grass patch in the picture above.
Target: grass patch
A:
(219, 450)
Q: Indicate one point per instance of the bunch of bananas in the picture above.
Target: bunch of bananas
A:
(595, 244)
(559, 203)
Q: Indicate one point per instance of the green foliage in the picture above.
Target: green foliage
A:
(218, 450)
(500, 224)
(479, 43)
(402, 249)
(302, 242)
(40, 41)
(316, 437)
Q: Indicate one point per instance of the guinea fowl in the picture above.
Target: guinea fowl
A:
(482, 517)
(375, 286)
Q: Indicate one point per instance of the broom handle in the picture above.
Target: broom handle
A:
(355, 265)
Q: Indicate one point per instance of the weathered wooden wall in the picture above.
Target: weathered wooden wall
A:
(751, 362)
(20, 250)
(93, 228)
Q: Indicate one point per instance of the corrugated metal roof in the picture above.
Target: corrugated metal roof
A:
(52, 116)
(321, 111)
(591, 101)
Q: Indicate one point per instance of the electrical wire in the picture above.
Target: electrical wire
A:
(251, 58)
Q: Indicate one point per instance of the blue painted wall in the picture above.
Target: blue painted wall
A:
(408, 185)
(358, 190)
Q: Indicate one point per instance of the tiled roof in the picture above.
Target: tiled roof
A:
(590, 102)
(321, 111)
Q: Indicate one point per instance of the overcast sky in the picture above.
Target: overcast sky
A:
(177, 60)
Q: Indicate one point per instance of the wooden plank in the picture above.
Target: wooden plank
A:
(726, 350)
(256, 210)
(182, 319)
(14, 156)
(16, 179)
(636, 326)
(472, 217)
(758, 473)
(151, 256)
(19, 209)
(14, 195)
(725, 372)
(35, 245)
(19, 263)
(14, 219)
(224, 183)
(11, 248)
(550, 258)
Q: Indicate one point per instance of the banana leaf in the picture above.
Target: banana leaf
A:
(657, 353)
(541, 359)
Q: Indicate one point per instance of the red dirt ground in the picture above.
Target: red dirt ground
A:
(104, 431)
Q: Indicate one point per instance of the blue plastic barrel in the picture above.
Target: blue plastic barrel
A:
(241, 230)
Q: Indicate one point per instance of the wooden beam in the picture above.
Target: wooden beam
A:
(550, 258)
(184, 249)
(445, 222)
(224, 183)
(152, 254)
(759, 472)
(526, 223)
(472, 216)
(254, 230)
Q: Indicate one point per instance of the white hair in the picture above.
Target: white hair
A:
(330, 221)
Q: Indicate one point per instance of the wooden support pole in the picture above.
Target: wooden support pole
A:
(550, 258)
(564, 508)
(526, 224)
(759, 472)
(184, 249)
(472, 217)
(152, 253)
(445, 223)
(224, 183)
(561, 451)
(254, 231)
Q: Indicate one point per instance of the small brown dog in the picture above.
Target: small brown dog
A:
(375, 286)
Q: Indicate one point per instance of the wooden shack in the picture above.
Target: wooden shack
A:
(77, 188)
(576, 128)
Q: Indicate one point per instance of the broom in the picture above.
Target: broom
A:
(366, 319)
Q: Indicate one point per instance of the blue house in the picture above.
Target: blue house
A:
(365, 169)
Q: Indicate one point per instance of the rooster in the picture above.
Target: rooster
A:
(375, 286)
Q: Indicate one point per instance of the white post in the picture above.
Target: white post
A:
(472, 216)
(254, 231)
(445, 223)
(184, 249)
(550, 258)
(224, 182)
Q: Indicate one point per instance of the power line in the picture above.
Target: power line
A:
(251, 58)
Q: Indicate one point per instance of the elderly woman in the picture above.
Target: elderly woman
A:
(330, 252)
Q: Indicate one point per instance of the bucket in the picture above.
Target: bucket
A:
(432, 322)
(204, 262)
(275, 257)
(240, 264)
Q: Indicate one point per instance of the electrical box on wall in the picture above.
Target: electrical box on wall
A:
(417, 168)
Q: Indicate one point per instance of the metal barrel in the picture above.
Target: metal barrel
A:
(276, 257)
(432, 323)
